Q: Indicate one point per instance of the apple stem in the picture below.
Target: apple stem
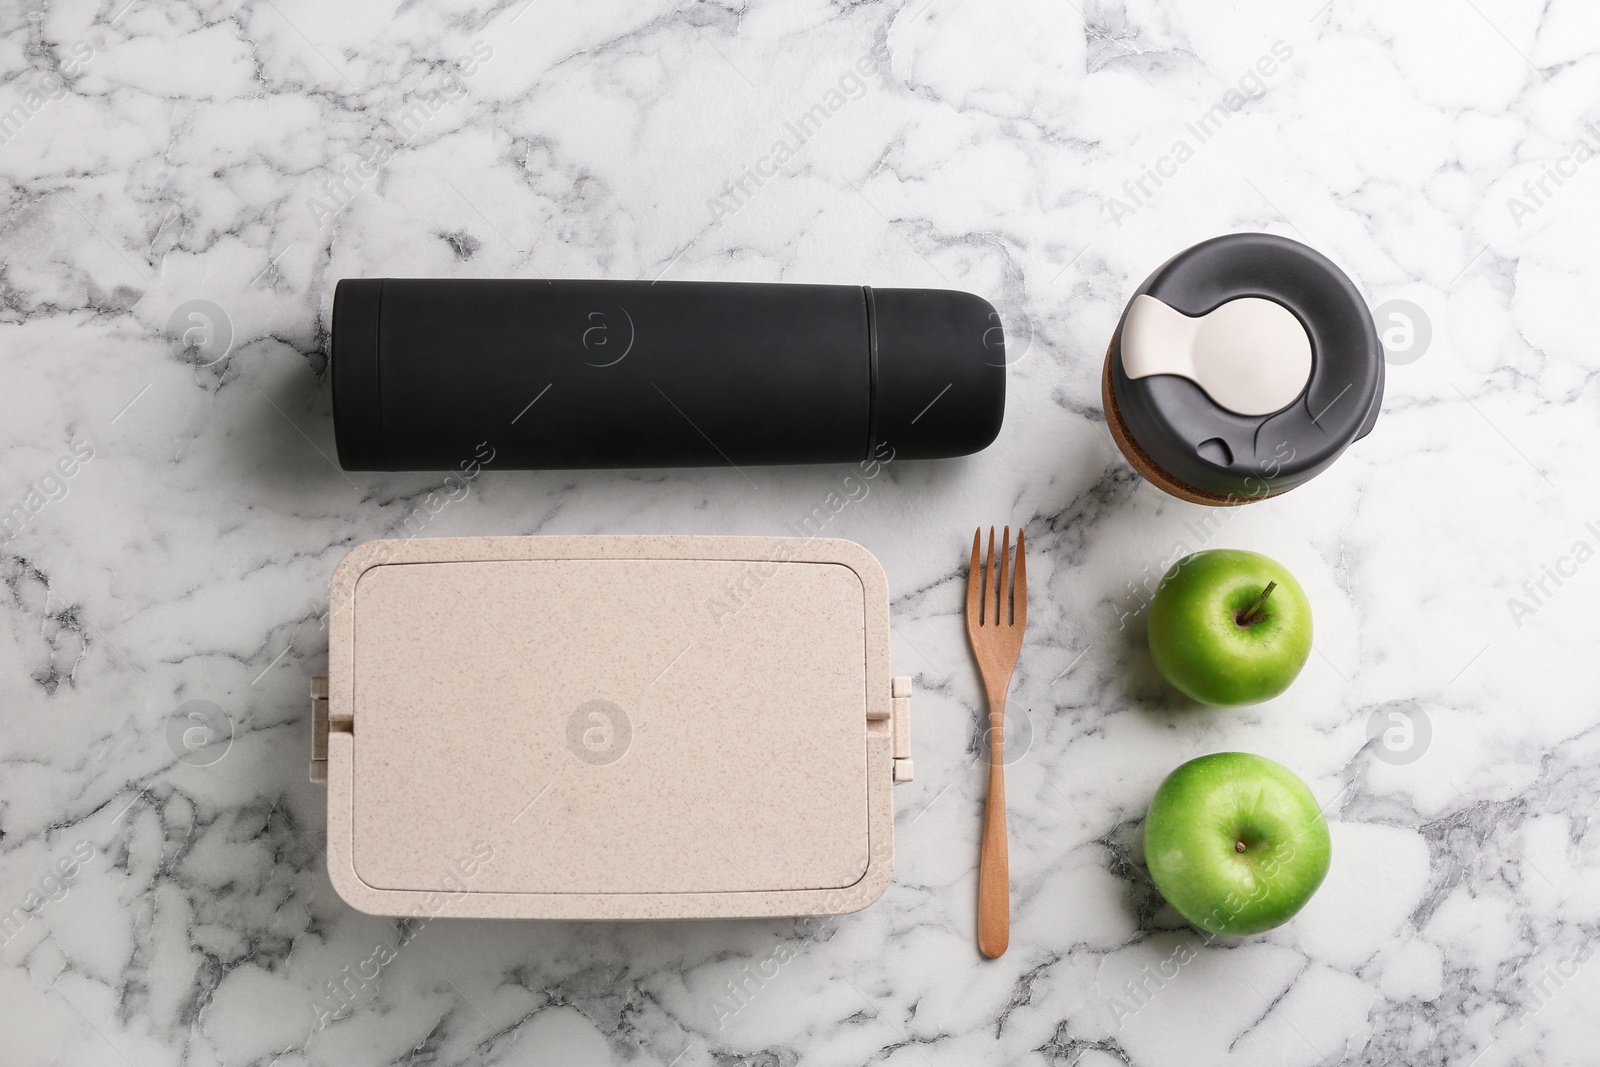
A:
(1238, 846)
(1255, 609)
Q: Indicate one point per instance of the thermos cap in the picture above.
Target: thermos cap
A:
(594, 374)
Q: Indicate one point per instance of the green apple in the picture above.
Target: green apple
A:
(1229, 627)
(1236, 843)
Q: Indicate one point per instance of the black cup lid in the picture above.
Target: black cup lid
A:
(1221, 452)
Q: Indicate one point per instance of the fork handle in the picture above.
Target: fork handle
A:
(994, 863)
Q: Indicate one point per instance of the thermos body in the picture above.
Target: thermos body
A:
(610, 374)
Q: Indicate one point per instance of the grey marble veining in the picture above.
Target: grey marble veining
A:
(173, 515)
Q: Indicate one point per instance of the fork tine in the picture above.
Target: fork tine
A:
(975, 581)
(1019, 586)
(1002, 588)
(989, 586)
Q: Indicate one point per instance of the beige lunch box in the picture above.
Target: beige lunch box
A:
(610, 727)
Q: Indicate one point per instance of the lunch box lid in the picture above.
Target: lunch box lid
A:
(610, 727)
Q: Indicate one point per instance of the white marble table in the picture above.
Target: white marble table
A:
(249, 155)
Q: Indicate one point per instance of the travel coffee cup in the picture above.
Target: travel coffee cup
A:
(598, 374)
(1243, 367)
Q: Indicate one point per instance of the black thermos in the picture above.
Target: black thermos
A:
(593, 374)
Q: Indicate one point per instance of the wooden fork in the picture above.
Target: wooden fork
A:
(997, 613)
